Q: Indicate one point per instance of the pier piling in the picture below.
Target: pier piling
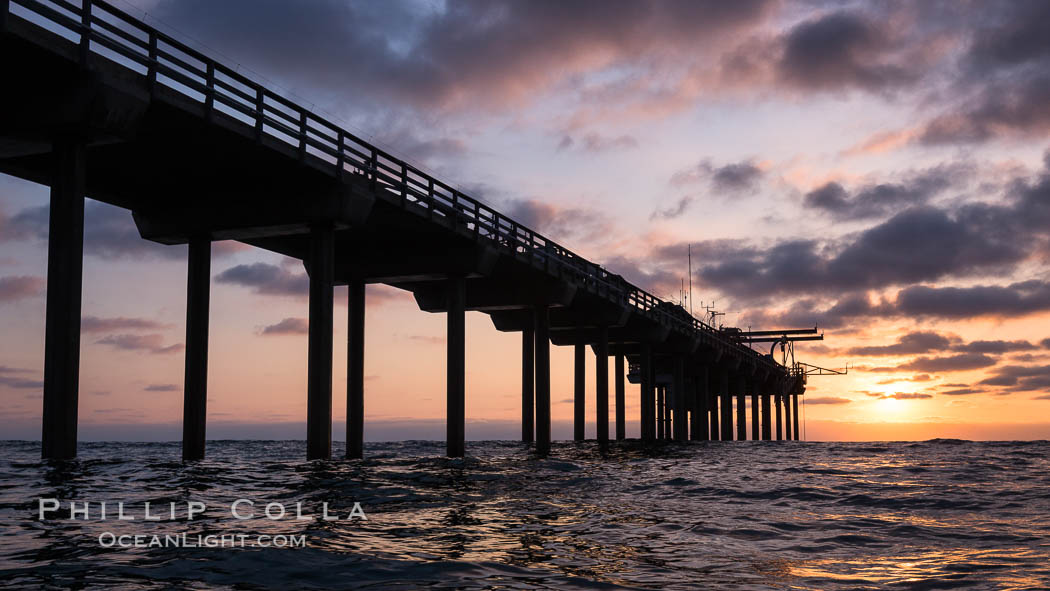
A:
(321, 268)
(355, 369)
(195, 382)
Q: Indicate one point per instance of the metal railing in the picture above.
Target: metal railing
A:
(100, 28)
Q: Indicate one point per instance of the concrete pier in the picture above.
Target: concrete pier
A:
(65, 269)
(321, 268)
(756, 433)
(543, 380)
(528, 389)
(456, 373)
(621, 397)
(195, 382)
(681, 408)
(579, 394)
(726, 397)
(767, 419)
(787, 417)
(778, 419)
(196, 152)
(741, 408)
(699, 419)
(714, 417)
(794, 414)
(601, 383)
(355, 369)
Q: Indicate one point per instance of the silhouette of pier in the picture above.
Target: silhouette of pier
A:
(97, 103)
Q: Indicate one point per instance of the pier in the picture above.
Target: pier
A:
(98, 104)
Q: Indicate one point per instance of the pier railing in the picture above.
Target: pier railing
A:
(102, 29)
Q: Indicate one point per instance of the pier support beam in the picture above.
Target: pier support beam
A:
(65, 268)
(727, 406)
(714, 417)
(648, 409)
(601, 383)
(753, 391)
(661, 412)
(787, 416)
(779, 421)
(621, 398)
(321, 268)
(355, 369)
(794, 414)
(699, 422)
(455, 418)
(543, 380)
(195, 382)
(766, 418)
(579, 392)
(681, 423)
(741, 410)
(528, 390)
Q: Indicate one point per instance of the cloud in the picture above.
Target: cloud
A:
(149, 343)
(1020, 377)
(564, 224)
(840, 51)
(98, 324)
(287, 326)
(828, 400)
(962, 391)
(18, 287)
(735, 177)
(911, 343)
(267, 279)
(876, 200)
(960, 362)
(427, 339)
(996, 347)
(593, 142)
(1015, 299)
(162, 388)
(489, 55)
(900, 395)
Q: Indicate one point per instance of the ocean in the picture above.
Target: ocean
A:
(940, 514)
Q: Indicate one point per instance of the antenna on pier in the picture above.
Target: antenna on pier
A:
(689, 253)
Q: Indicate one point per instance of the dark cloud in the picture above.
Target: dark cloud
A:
(827, 400)
(962, 391)
(287, 326)
(1004, 87)
(148, 343)
(840, 51)
(13, 377)
(997, 347)
(959, 362)
(1015, 299)
(267, 279)
(1045, 343)
(735, 177)
(564, 224)
(490, 54)
(875, 200)
(162, 388)
(675, 210)
(909, 344)
(1020, 377)
(17, 287)
(97, 324)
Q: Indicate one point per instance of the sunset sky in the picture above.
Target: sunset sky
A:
(879, 169)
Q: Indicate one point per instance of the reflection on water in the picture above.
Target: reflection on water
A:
(931, 515)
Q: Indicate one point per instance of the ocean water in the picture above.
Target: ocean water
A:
(941, 514)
